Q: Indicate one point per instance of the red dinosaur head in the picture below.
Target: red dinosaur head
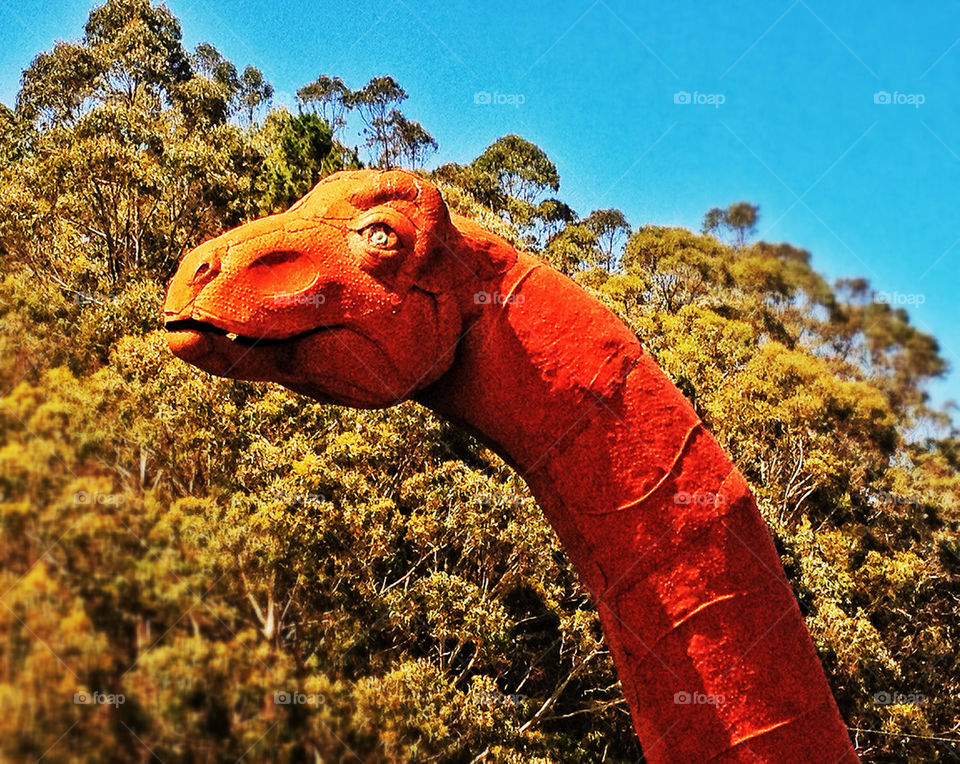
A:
(355, 295)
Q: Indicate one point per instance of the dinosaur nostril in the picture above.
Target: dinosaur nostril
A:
(205, 272)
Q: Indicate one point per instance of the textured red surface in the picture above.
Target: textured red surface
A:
(368, 292)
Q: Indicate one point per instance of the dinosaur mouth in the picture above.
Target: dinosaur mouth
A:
(203, 327)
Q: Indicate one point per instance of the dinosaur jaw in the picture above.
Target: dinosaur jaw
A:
(332, 364)
(186, 329)
(224, 353)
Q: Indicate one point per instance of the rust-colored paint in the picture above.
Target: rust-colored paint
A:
(367, 292)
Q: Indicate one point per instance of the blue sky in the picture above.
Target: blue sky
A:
(841, 120)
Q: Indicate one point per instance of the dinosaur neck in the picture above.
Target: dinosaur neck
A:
(660, 526)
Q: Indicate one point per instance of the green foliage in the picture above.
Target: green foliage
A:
(391, 571)
(254, 91)
(572, 249)
(212, 94)
(376, 103)
(509, 177)
(739, 219)
(301, 154)
(611, 229)
(522, 170)
(327, 97)
(264, 578)
(410, 144)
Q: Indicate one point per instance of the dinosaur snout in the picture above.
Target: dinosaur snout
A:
(269, 279)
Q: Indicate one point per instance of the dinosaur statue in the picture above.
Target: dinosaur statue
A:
(368, 292)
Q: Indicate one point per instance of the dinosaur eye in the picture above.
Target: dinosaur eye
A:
(381, 236)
